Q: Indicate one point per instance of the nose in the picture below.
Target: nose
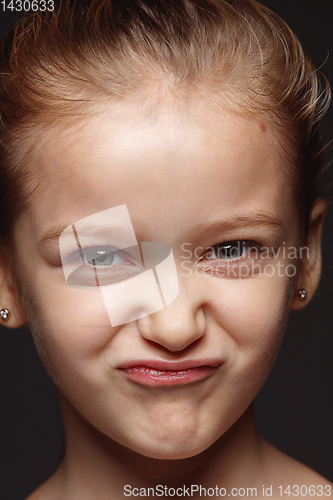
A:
(176, 326)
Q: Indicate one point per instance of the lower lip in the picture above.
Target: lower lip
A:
(152, 376)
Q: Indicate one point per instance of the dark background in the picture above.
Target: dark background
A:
(294, 410)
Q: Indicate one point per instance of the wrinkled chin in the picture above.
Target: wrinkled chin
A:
(173, 439)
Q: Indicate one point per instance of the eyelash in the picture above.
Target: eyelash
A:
(230, 245)
(84, 252)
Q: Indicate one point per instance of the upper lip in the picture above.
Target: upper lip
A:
(157, 364)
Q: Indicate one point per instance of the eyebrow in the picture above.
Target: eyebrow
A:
(56, 231)
(249, 220)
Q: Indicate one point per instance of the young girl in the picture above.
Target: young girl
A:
(159, 219)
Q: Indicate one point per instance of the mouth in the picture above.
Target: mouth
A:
(156, 372)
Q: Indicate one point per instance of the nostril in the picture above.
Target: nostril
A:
(174, 347)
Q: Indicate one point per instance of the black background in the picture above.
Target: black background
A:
(294, 410)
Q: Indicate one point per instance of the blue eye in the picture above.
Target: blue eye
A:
(100, 266)
(101, 258)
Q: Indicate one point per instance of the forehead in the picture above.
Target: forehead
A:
(175, 161)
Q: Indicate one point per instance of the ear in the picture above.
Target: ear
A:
(8, 298)
(310, 264)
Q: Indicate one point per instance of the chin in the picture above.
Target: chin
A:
(175, 453)
(174, 436)
(173, 447)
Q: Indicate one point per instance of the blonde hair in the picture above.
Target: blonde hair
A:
(56, 65)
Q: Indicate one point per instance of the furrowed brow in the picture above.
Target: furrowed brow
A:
(249, 220)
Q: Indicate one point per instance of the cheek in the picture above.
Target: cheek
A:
(70, 327)
(252, 314)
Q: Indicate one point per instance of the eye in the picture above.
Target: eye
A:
(232, 250)
(101, 265)
(100, 258)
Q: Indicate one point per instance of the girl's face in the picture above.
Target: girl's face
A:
(193, 180)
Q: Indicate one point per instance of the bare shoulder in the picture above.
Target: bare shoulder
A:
(45, 492)
(50, 490)
(36, 495)
(292, 478)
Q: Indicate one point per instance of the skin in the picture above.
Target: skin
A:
(195, 168)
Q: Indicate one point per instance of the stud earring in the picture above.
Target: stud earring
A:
(302, 294)
(4, 313)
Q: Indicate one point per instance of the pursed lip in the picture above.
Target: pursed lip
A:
(160, 372)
